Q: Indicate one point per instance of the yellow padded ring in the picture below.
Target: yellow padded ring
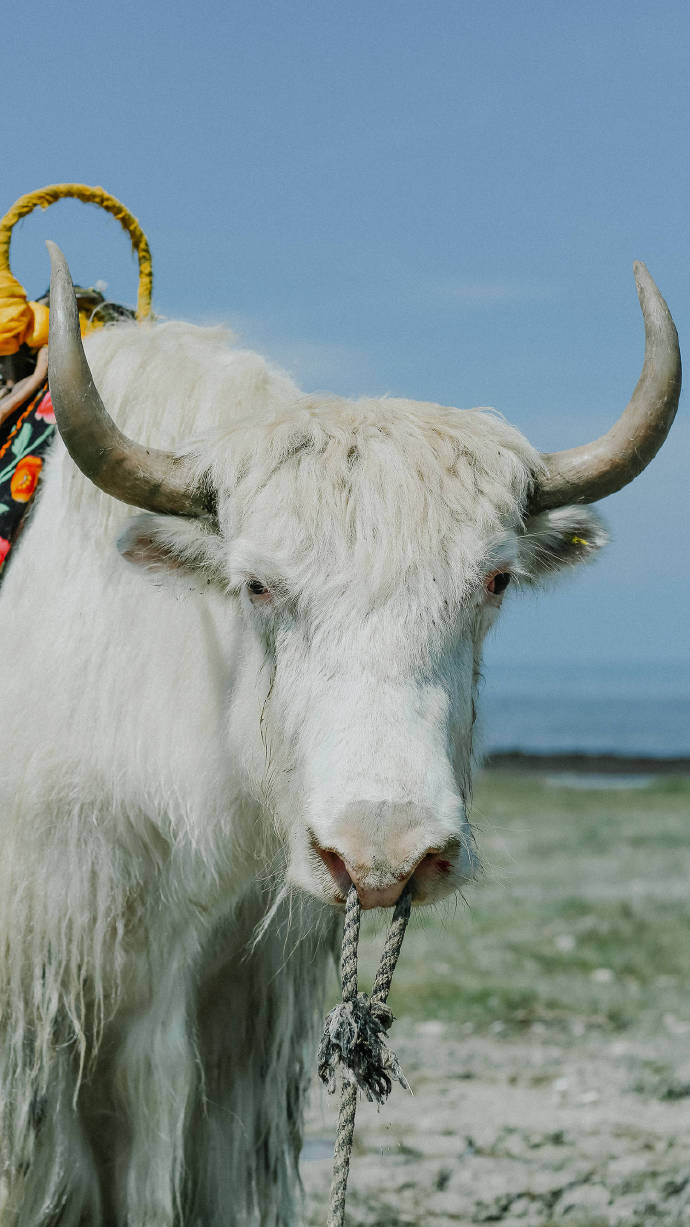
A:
(89, 195)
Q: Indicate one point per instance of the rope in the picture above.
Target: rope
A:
(354, 1040)
(46, 196)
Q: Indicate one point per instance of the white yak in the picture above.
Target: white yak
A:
(238, 675)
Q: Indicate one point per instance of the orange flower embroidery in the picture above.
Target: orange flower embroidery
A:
(25, 478)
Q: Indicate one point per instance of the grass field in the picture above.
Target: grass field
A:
(575, 882)
(553, 1004)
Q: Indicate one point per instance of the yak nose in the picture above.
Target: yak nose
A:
(378, 883)
(380, 845)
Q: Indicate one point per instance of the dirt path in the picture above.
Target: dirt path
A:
(518, 1131)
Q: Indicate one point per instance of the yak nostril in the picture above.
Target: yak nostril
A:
(435, 860)
(335, 866)
(437, 864)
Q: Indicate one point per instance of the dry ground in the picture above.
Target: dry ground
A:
(544, 1027)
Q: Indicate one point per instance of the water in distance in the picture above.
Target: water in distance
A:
(629, 709)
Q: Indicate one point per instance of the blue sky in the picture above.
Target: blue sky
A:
(438, 200)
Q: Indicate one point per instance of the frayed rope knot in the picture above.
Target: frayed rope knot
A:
(354, 1042)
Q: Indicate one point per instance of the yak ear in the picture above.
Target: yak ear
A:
(173, 545)
(559, 538)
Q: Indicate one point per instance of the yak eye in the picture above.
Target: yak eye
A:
(496, 584)
(257, 588)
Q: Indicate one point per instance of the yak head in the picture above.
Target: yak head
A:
(366, 548)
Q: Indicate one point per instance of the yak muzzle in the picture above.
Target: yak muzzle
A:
(379, 881)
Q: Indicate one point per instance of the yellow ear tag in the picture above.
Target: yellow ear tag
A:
(578, 541)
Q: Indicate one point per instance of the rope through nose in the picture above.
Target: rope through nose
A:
(354, 1039)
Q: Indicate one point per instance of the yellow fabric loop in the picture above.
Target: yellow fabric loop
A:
(37, 336)
(16, 316)
(17, 319)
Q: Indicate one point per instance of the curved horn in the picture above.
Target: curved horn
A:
(584, 474)
(145, 477)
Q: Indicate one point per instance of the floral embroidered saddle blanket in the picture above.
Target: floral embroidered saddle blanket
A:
(25, 437)
(27, 429)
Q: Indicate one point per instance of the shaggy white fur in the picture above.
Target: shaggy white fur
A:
(165, 924)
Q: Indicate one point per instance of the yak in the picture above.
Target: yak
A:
(246, 625)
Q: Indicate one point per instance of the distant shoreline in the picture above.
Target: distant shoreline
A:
(595, 764)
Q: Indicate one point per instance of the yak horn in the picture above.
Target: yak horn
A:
(584, 474)
(145, 477)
